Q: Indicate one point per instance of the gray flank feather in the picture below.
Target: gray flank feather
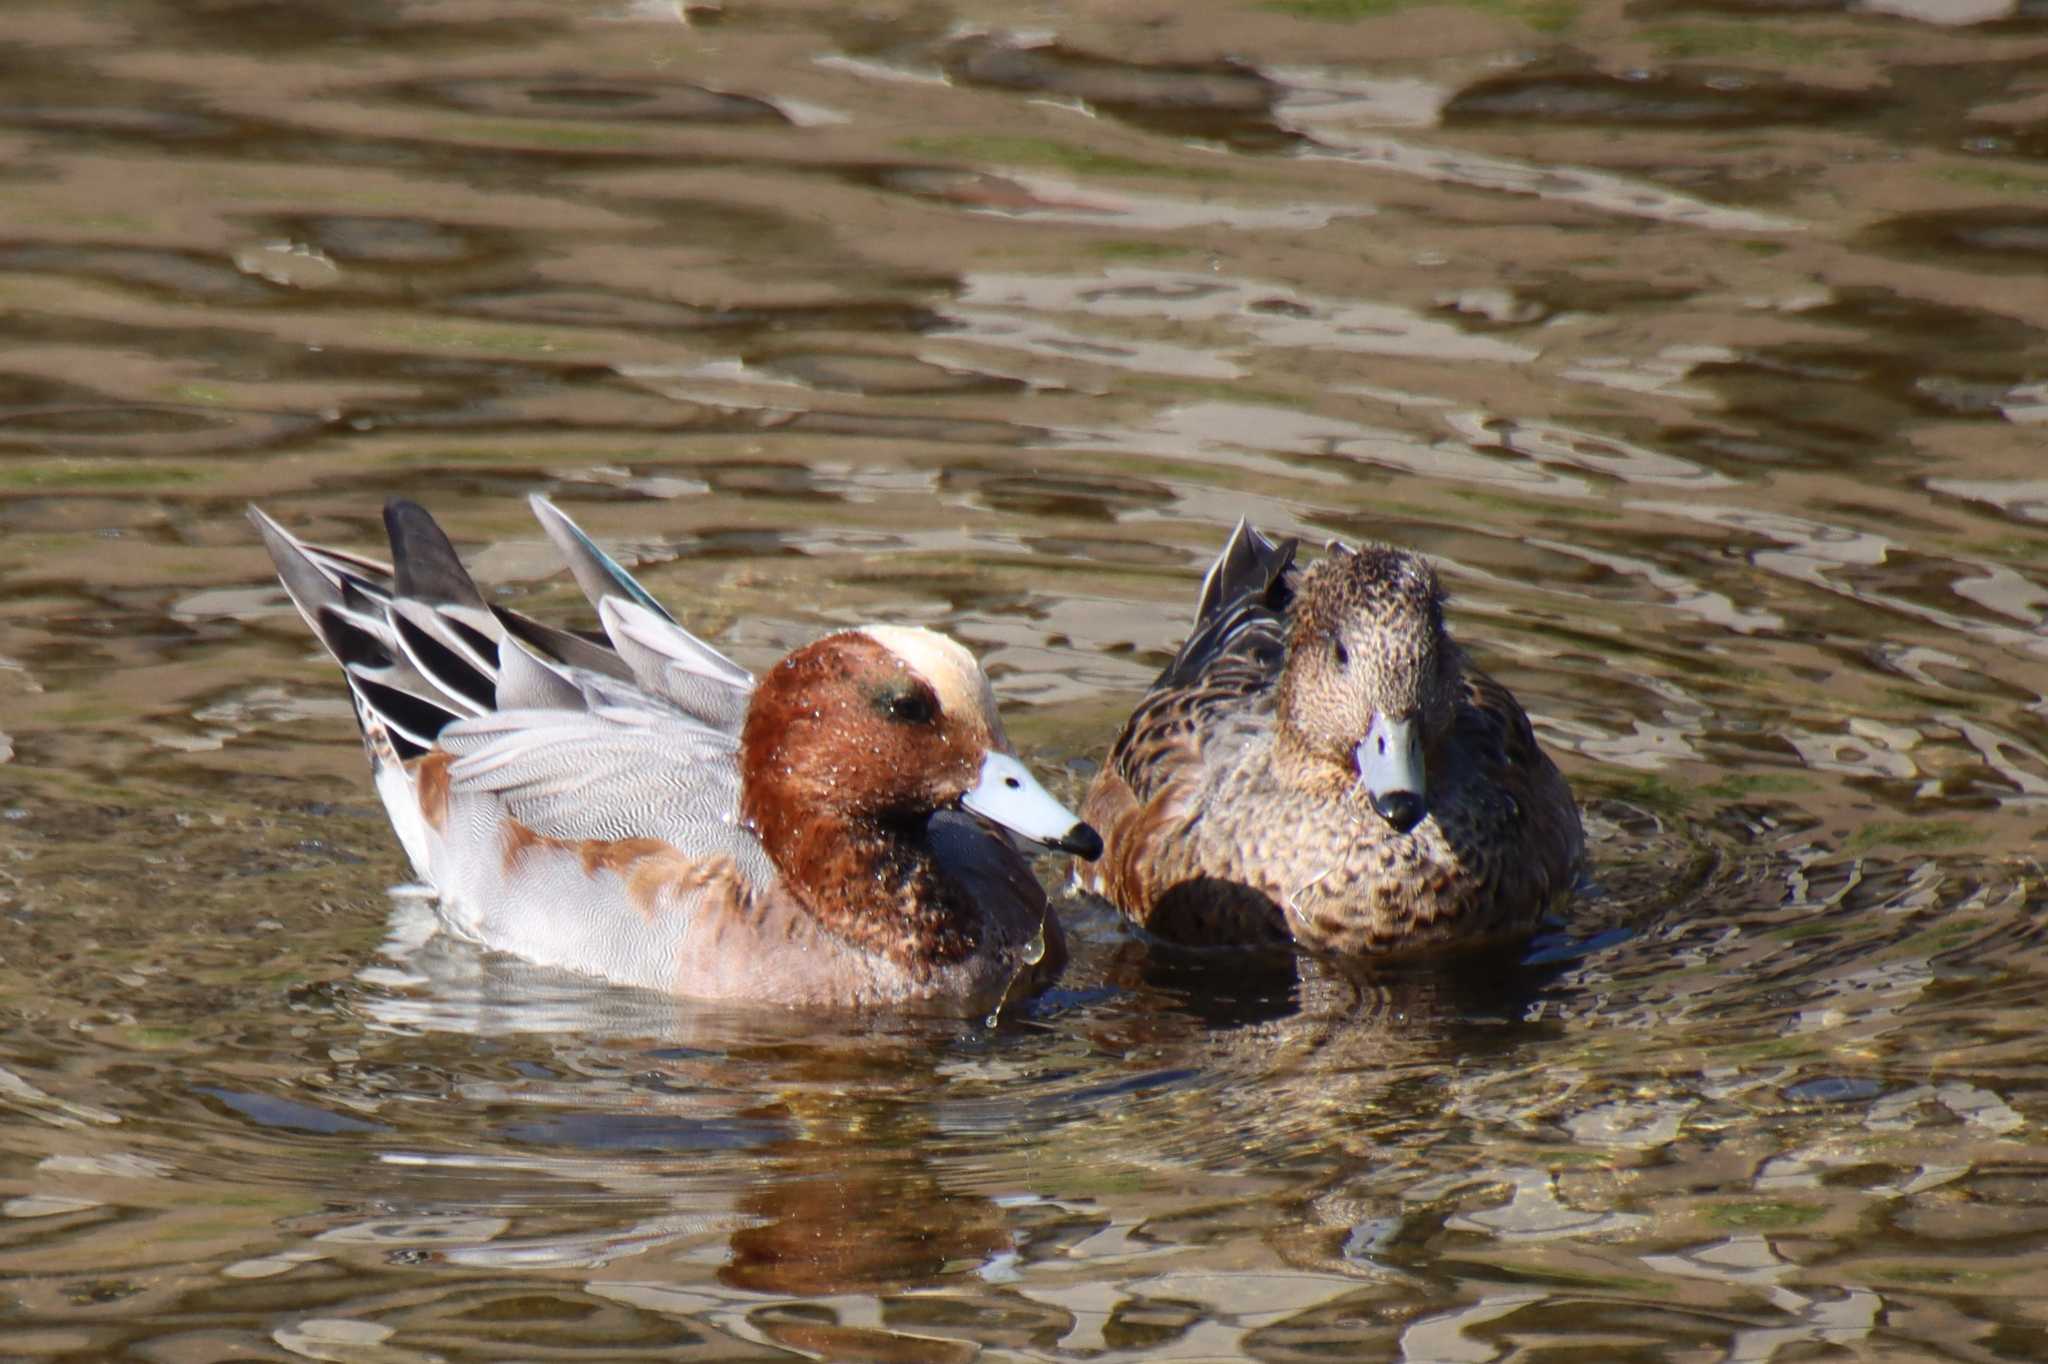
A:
(674, 664)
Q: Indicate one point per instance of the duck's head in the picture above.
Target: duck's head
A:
(882, 726)
(1370, 677)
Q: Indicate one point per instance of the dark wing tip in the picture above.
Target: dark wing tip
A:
(1250, 564)
(1245, 599)
(424, 563)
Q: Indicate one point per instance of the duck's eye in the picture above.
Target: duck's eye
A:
(1340, 654)
(913, 708)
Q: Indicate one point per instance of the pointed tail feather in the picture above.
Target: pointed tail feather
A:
(421, 646)
(1244, 597)
(1250, 563)
(350, 614)
(565, 647)
(527, 681)
(424, 562)
(596, 572)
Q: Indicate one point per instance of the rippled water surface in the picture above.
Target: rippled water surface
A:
(1701, 342)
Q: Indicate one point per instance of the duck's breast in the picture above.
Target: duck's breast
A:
(1022, 941)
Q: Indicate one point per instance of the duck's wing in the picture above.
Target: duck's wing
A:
(422, 650)
(1249, 565)
(417, 642)
(1491, 726)
(1241, 615)
(607, 772)
(606, 841)
(1233, 655)
(421, 626)
(565, 808)
(1498, 745)
(1147, 795)
(676, 666)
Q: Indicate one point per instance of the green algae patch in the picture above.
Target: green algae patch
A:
(1758, 784)
(1545, 16)
(1571, 1278)
(556, 135)
(1764, 1214)
(156, 1038)
(1115, 250)
(75, 473)
(496, 340)
(1744, 40)
(1929, 1274)
(1336, 11)
(1768, 1049)
(1811, 928)
(2027, 547)
(1945, 937)
(1998, 182)
(510, 455)
(1645, 789)
(1517, 506)
(1917, 834)
(1230, 391)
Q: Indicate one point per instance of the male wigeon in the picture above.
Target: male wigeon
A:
(642, 809)
(1321, 764)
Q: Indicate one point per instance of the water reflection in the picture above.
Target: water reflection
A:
(746, 1180)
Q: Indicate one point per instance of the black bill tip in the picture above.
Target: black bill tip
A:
(1402, 809)
(1082, 841)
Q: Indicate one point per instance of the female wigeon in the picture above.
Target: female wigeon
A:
(1321, 764)
(642, 809)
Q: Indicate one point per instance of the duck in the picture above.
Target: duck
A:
(1322, 768)
(846, 831)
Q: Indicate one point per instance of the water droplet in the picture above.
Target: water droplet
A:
(1034, 951)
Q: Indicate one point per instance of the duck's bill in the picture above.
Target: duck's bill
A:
(1007, 794)
(1390, 769)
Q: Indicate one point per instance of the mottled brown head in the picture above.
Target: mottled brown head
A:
(1370, 677)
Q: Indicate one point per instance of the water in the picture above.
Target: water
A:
(1701, 345)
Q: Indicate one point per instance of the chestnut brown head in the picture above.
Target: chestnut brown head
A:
(882, 726)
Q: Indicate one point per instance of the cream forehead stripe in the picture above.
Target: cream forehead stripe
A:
(962, 687)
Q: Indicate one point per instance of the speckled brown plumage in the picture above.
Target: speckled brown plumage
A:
(1232, 807)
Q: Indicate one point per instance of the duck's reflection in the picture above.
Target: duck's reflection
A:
(822, 1227)
(800, 1137)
